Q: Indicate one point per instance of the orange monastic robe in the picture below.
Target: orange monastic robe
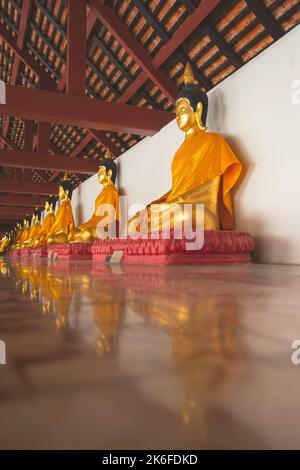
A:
(108, 195)
(204, 170)
(33, 233)
(24, 235)
(45, 228)
(64, 221)
(202, 158)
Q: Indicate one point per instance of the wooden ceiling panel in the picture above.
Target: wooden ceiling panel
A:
(217, 37)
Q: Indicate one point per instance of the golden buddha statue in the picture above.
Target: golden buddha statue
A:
(16, 233)
(4, 242)
(24, 233)
(106, 215)
(204, 170)
(64, 221)
(35, 228)
(40, 238)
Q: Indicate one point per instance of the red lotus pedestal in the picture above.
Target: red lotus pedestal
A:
(14, 253)
(219, 247)
(41, 252)
(69, 251)
(25, 252)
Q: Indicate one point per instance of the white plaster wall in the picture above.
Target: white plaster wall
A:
(253, 109)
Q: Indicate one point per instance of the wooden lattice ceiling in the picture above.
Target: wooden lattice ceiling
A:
(169, 32)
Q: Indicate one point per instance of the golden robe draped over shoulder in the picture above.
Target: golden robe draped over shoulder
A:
(24, 236)
(202, 158)
(47, 224)
(33, 232)
(64, 221)
(108, 195)
(204, 170)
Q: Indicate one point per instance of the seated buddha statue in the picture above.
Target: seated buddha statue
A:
(24, 233)
(4, 242)
(106, 205)
(16, 233)
(35, 227)
(40, 238)
(64, 221)
(204, 170)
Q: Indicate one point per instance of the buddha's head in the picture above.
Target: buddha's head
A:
(65, 189)
(26, 222)
(107, 170)
(191, 104)
(50, 204)
(36, 216)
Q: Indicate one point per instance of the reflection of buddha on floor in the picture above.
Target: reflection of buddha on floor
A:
(64, 221)
(105, 215)
(106, 302)
(107, 312)
(40, 238)
(203, 344)
(204, 170)
(62, 293)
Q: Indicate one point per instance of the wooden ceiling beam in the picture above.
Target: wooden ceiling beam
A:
(45, 161)
(13, 212)
(22, 201)
(28, 187)
(76, 47)
(80, 111)
(13, 146)
(25, 13)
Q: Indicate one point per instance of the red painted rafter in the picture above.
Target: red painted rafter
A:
(76, 47)
(45, 161)
(119, 30)
(100, 136)
(47, 82)
(14, 147)
(82, 111)
(22, 201)
(183, 32)
(12, 212)
(28, 187)
(42, 138)
(25, 12)
(90, 25)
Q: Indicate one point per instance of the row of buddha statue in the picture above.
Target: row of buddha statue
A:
(204, 171)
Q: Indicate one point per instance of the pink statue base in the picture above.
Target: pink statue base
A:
(70, 251)
(25, 252)
(40, 252)
(14, 253)
(219, 247)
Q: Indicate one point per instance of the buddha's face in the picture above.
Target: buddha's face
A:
(47, 206)
(35, 219)
(102, 175)
(62, 193)
(185, 115)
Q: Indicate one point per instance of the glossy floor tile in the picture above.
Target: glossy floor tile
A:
(184, 357)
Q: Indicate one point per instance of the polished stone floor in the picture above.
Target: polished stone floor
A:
(149, 357)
